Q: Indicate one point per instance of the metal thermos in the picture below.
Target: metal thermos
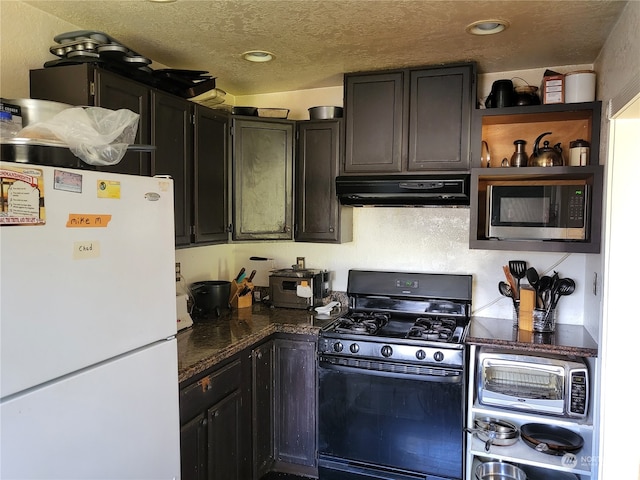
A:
(519, 157)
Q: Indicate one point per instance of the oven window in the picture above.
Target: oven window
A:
(393, 421)
(522, 381)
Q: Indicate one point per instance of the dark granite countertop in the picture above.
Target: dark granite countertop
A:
(213, 340)
(501, 333)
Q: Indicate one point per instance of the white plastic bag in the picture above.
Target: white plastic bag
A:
(96, 135)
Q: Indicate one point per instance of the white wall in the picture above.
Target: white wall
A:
(619, 454)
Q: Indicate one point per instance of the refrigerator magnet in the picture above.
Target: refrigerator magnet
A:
(67, 181)
(108, 189)
(21, 196)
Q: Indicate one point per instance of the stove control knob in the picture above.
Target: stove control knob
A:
(337, 347)
(386, 351)
(421, 355)
(438, 356)
(354, 348)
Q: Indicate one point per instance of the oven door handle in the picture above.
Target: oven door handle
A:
(395, 370)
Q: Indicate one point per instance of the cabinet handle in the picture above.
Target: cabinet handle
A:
(330, 229)
(287, 228)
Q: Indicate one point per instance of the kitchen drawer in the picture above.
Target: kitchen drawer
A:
(209, 390)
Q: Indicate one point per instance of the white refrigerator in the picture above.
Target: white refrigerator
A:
(88, 357)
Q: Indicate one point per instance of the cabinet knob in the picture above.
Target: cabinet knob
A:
(331, 229)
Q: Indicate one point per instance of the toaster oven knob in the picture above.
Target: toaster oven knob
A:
(337, 347)
(354, 348)
(386, 351)
(438, 356)
(421, 355)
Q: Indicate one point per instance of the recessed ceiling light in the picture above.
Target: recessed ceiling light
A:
(258, 56)
(487, 27)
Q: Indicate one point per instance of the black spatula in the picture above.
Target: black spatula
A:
(518, 269)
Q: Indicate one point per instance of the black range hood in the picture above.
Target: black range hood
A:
(440, 190)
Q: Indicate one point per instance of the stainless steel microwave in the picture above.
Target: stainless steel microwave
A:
(538, 210)
(533, 383)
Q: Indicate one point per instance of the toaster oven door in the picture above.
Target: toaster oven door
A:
(522, 385)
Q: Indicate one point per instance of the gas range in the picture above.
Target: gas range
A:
(400, 316)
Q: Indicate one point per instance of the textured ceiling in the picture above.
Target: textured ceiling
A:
(316, 41)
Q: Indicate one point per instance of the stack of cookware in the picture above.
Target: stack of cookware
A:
(544, 438)
(89, 46)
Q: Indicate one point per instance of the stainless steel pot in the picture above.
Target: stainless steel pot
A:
(324, 113)
(499, 471)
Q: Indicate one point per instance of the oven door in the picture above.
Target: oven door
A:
(390, 421)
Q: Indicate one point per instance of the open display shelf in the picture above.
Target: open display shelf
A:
(497, 129)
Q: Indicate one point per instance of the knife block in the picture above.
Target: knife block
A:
(527, 304)
(241, 301)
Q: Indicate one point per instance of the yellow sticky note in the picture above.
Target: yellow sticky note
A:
(108, 189)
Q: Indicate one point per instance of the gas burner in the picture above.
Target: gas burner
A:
(365, 323)
(440, 329)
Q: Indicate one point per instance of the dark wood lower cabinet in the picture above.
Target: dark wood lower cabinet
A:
(215, 417)
(193, 449)
(253, 414)
(262, 406)
(284, 405)
(295, 404)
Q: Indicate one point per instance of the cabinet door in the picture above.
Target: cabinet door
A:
(262, 415)
(193, 449)
(440, 118)
(225, 440)
(374, 123)
(210, 176)
(295, 402)
(86, 85)
(318, 211)
(115, 92)
(171, 133)
(262, 180)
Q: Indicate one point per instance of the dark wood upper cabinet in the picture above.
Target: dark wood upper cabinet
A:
(86, 85)
(263, 153)
(210, 161)
(409, 121)
(319, 215)
(440, 107)
(171, 133)
(373, 122)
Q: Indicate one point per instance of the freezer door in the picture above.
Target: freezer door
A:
(95, 281)
(117, 420)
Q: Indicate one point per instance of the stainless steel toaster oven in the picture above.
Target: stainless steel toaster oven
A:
(298, 288)
(533, 383)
